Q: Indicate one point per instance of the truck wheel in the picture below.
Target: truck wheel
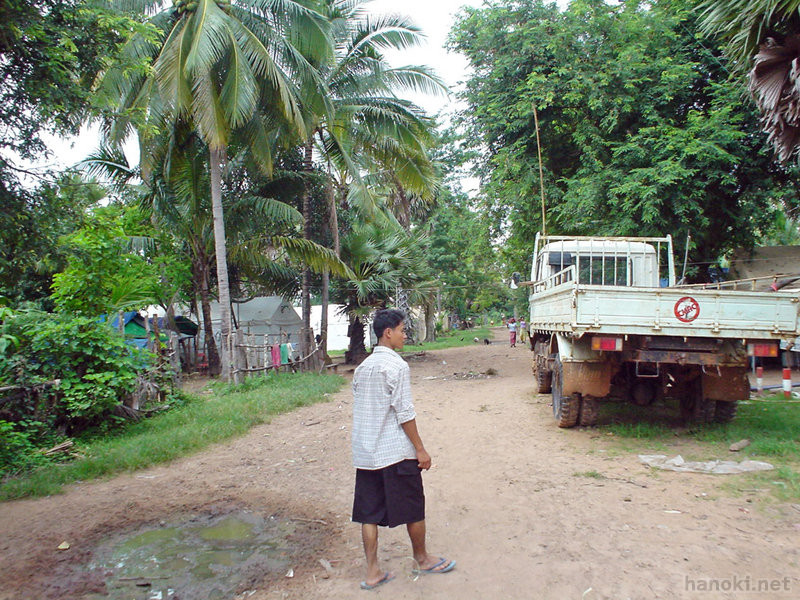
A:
(565, 408)
(694, 407)
(542, 375)
(725, 411)
(704, 410)
(589, 406)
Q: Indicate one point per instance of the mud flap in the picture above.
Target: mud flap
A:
(587, 379)
(729, 384)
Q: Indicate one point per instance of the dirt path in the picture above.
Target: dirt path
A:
(527, 510)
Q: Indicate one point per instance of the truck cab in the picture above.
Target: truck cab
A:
(601, 262)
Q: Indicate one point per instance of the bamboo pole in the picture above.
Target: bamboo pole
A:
(541, 171)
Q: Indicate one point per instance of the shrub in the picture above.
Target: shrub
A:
(94, 369)
(94, 365)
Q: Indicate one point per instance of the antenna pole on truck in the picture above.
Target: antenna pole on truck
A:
(685, 258)
(541, 176)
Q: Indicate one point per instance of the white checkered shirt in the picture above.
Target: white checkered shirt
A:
(381, 402)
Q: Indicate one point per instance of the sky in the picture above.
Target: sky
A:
(434, 17)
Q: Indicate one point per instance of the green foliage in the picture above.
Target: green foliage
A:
(67, 372)
(32, 223)
(381, 258)
(19, 445)
(189, 428)
(94, 366)
(103, 274)
(50, 53)
(642, 130)
(461, 258)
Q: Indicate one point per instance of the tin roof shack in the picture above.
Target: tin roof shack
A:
(137, 333)
(272, 316)
(766, 263)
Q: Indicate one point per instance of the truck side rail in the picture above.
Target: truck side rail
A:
(748, 284)
(564, 276)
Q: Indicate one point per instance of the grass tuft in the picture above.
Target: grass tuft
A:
(452, 339)
(230, 411)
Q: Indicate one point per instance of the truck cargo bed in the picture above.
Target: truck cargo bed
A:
(671, 311)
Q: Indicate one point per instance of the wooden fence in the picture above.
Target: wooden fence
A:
(253, 353)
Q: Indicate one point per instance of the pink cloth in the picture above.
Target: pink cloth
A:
(276, 355)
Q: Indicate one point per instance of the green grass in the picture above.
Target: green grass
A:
(771, 425)
(227, 412)
(452, 339)
(590, 474)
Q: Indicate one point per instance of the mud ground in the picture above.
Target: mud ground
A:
(527, 510)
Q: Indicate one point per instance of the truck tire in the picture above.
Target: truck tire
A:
(565, 408)
(694, 407)
(704, 410)
(724, 412)
(588, 415)
(542, 375)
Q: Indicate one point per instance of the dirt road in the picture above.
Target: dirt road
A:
(527, 510)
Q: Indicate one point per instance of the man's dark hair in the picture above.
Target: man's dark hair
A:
(387, 318)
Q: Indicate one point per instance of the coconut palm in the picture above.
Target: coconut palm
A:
(177, 201)
(228, 69)
(370, 129)
(763, 38)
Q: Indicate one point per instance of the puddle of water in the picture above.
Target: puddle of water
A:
(202, 558)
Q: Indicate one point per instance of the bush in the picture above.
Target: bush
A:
(93, 365)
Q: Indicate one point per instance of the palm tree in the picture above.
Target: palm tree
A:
(369, 129)
(763, 38)
(228, 69)
(382, 260)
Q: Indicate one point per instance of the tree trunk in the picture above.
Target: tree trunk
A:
(430, 319)
(220, 248)
(323, 324)
(357, 351)
(308, 167)
(212, 355)
(404, 206)
(333, 226)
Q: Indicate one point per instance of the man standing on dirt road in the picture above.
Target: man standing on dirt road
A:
(387, 451)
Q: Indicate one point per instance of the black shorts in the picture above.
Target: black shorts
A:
(390, 496)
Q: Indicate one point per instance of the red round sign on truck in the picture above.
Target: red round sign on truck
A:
(687, 309)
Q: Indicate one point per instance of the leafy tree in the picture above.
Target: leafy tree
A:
(642, 130)
(461, 257)
(103, 274)
(50, 53)
(370, 137)
(381, 260)
(32, 223)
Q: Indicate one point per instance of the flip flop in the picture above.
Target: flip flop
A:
(387, 577)
(449, 566)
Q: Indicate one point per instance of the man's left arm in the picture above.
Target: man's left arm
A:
(423, 458)
(407, 416)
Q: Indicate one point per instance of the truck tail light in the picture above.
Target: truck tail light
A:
(766, 349)
(611, 344)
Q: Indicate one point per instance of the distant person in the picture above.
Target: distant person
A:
(388, 453)
(523, 331)
(512, 332)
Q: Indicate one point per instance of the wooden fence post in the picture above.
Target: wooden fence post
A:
(239, 357)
